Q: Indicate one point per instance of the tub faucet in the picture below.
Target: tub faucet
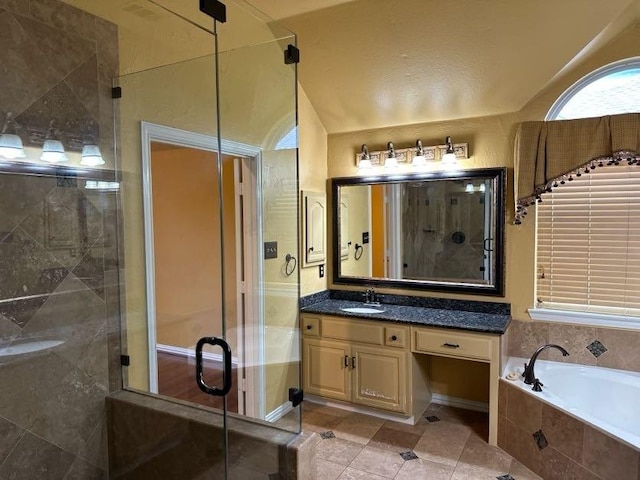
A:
(529, 375)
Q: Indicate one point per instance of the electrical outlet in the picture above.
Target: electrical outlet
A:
(365, 238)
(321, 270)
(270, 250)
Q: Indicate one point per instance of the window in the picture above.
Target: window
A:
(588, 230)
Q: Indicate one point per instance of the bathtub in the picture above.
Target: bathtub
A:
(605, 398)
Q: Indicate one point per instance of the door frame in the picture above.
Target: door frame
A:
(253, 337)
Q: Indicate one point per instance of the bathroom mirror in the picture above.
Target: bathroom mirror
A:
(432, 231)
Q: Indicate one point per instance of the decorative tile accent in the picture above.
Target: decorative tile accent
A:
(540, 439)
(506, 476)
(328, 434)
(408, 455)
(596, 348)
(432, 418)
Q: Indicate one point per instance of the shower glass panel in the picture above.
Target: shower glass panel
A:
(207, 164)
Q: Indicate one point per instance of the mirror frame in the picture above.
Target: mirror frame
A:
(498, 198)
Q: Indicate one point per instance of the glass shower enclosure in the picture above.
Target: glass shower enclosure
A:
(208, 177)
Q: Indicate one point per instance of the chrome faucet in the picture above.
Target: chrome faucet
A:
(371, 297)
(529, 375)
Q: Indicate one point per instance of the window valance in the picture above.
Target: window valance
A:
(548, 154)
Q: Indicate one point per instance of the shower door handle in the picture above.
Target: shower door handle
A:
(226, 368)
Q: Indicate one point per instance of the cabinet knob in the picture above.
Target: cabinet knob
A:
(309, 327)
(393, 338)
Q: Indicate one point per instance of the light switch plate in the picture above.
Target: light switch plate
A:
(270, 250)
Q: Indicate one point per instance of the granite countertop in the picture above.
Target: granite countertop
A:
(415, 315)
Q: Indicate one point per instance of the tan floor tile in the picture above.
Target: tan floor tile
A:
(417, 429)
(358, 428)
(337, 450)
(474, 472)
(394, 440)
(326, 470)
(419, 469)
(379, 462)
(320, 422)
(520, 472)
(442, 442)
(478, 453)
(353, 474)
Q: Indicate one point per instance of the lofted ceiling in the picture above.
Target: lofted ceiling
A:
(377, 63)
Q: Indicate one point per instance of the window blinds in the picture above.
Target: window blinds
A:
(588, 243)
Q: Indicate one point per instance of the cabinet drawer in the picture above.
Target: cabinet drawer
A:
(454, 344)
(310, 326)
(395, 336)
(352, 330)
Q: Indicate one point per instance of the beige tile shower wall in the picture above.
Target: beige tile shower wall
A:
(59, 291)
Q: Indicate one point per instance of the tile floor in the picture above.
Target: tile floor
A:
(445, 444)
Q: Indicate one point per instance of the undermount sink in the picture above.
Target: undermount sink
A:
(361, 310)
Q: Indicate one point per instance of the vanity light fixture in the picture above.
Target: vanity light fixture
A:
(91, 156)
(482, 188)
(53, 150)
(419, 160)
(469, 188)
(391, 161)
(449, 157)
(364, 163)
(10, 143)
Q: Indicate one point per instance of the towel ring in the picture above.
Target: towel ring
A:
(358, 253)
(288, 269)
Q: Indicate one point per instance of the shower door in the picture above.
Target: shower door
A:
(207, 151)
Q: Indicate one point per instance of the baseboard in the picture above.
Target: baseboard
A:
(191, 352)
(350, 407)
(279, 412)
(459, 403)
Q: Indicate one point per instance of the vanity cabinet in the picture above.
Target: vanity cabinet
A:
(386, 365)
(356, 361)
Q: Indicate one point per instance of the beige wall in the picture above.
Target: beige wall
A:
(491, 145)
(312, 158)
(186, 228)
(257, 108)
(357, 202)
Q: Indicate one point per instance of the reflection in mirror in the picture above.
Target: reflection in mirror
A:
(433, 231)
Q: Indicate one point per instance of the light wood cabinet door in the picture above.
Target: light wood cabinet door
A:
(326, 368)
(379, 377)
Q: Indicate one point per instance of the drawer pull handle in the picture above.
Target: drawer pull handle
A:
(451, 345)
(393, 338)
(309, 327)
(353, 362)
(346, 361)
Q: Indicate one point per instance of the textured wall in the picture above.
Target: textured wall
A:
(59, 304)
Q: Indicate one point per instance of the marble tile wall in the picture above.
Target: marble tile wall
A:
(59, 286)
(604, 347)
(557, 446)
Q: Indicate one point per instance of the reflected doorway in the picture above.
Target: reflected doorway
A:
(191, 293)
